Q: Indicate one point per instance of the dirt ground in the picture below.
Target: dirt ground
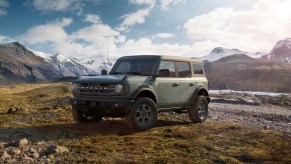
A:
(237, 131)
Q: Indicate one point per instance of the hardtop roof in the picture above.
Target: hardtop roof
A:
(164, 57)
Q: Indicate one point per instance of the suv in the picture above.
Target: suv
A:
(139, 87)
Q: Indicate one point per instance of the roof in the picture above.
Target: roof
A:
(166, 57)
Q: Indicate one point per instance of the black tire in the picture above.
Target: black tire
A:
(143, 114)
(82, 118)
(199, 112)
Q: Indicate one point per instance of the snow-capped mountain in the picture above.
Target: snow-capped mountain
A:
(220, 52)
(68, 66)
(97, 63)
(281, 52)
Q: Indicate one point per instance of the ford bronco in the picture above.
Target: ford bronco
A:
(139, 87)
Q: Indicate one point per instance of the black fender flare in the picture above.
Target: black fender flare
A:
(202, 89)
(140, 89)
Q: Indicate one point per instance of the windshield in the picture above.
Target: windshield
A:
(146, 67)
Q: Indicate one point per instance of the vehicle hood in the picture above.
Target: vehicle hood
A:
(101, 79)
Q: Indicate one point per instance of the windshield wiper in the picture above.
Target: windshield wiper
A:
(116, 73)
(134, 73)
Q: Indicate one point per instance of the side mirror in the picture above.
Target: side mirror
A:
(103, 72)
(164, 73)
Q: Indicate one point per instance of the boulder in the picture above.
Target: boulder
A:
(53, 149)
(12, 110)
(5, 155)
(23, 142)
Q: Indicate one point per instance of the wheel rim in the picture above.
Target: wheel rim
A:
(202, 110)
(143, 114)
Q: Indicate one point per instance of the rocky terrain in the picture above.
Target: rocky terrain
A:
(36, 126)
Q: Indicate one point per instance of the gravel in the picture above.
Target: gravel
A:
(268, 116)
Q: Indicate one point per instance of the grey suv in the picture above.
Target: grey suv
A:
(139, 87)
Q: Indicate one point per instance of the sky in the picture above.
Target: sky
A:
(129, 27)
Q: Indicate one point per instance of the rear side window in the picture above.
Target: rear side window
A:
(183, 69)
(198, 69)
(170, 65)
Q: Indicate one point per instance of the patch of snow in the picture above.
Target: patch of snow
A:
(257, 55)
(41, 54)
(97, 63)
(248, 92)
(59, 57)
(219, 52)
(281, 43)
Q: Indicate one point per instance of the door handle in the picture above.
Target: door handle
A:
(192, 84)
(176, 84)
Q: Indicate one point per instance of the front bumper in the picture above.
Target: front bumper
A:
(104, 107)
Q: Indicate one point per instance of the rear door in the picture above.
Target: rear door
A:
(187, 84)
(169, 88)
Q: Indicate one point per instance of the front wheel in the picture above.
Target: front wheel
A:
(199, 112)
(82, 118)
(143, 114)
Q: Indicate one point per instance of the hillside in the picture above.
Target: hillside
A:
(241, 72)
(19, 65)
(281, 52)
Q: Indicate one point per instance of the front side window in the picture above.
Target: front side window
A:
(135, 67)
(170, 65)
(183, 69)
(198, 69)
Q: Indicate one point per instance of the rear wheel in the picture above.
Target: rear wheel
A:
(82, 118)
(199, 112)
(143, 114)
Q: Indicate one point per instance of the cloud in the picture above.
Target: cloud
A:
(145, 46)
(164, 35)
(97, 33)
(58, 5)
(5, 39)
(3, 5)
(141, 2)
(166, 3)
(257, 29)
(131, 19)
(93, 19)
(90, 40)
(51, 32)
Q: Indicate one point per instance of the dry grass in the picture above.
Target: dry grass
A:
(171, 141)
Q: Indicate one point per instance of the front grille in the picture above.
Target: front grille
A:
(96, 89)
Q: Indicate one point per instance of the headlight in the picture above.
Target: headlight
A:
(119, 88)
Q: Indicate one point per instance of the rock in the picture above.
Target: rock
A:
(214, 118)
(23, 142)
(35, 155)
(32, 150)
(12, 110)
(15, 151)
(266, 127)
(51, 157)
(27, 159)
(40, 143)
(2, 144)
(5, 155)
(53, 149)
